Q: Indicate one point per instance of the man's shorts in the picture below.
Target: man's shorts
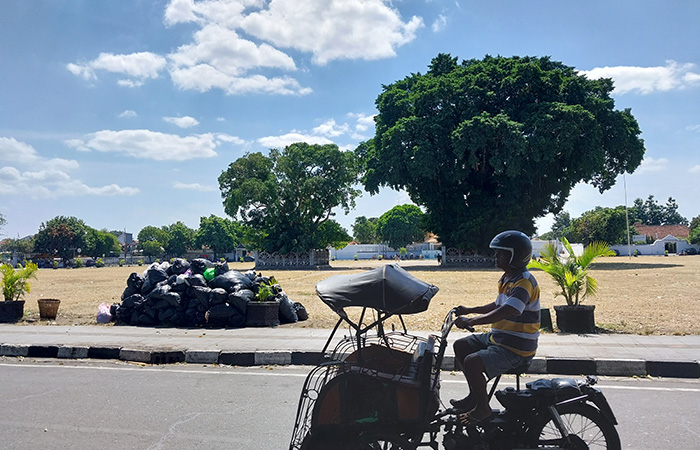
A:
(497, 360)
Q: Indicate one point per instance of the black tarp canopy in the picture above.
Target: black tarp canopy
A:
(389, 289)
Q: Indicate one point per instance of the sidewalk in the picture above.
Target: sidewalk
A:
(566, 354)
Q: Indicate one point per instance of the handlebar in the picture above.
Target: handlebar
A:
(450, 321)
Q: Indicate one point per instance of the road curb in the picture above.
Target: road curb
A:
(550, 366)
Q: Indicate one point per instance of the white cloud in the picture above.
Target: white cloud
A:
(138, 66)
(182, 122)
(695, 169)
(195, 187)
(127, 114)
(651, 165)
(44, 177)
(333, 29)
(241, 46)
(204, 77)
(291, 138)
(146, 144)
(646, 80)
(693, 127)
(439, 24)
(331, 129)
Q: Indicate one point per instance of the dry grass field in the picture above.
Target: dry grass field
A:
(643, 295)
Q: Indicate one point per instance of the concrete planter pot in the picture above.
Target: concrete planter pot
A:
(576, 319)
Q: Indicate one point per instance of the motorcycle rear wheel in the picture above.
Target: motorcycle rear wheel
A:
(581, 420)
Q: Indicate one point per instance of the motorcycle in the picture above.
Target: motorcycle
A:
(381, 390)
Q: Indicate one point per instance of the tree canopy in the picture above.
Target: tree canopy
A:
(286, 197)
(364, 230)
(402, 225)
(650, 212)
(220, 234)
(61, 237)
(608, 225)
(492, 144)
(99, 243)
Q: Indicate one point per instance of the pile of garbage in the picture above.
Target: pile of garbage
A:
(196, 293)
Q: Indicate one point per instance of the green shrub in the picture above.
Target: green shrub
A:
(78, 263)
(99, 263)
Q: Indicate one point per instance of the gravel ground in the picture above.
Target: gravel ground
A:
(642, 295)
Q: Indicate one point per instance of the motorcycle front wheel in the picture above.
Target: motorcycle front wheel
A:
(587, 428)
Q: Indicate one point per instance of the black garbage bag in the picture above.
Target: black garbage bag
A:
(251, 274)
(224, 316)
(179, 266)
(172, 298)
(135, 281)
(240, 299)
(199, 265)
(196, 280)
(220, 268)
(219, 314)
(231, 281)
(129, 291)
(302, 314)
(202, 294)
(158, 292)
(165, 316)
(132, 301)
(217, 296)
(154, 275)
(133, 285)
(288, 313)
(165, 266)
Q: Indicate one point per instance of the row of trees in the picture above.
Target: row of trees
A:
(610, 224)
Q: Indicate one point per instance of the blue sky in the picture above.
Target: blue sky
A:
(124, 114)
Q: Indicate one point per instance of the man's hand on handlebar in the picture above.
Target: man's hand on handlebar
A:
(465, 323)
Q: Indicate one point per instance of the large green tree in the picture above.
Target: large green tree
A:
(331, 233)
(608, 225)
(100, 243)
(365, 230)
(179, 239)
(694, 237)
(221, 235)
(61, 237)
(285, 197)
(152, 241)
(402, 225)
(650, 212)
(492, 144)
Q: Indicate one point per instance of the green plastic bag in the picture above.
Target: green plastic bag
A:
(209, 274)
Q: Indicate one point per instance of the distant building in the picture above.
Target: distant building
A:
(125, 238)
(655, 232)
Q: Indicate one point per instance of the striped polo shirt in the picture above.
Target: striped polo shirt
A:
(518, 333)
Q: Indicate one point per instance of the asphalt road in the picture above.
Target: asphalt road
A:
(82, 405)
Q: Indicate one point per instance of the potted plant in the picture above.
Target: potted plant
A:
(571, 273)
(14, 286)
(264, 311)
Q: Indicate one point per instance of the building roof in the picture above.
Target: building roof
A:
(661, 231)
